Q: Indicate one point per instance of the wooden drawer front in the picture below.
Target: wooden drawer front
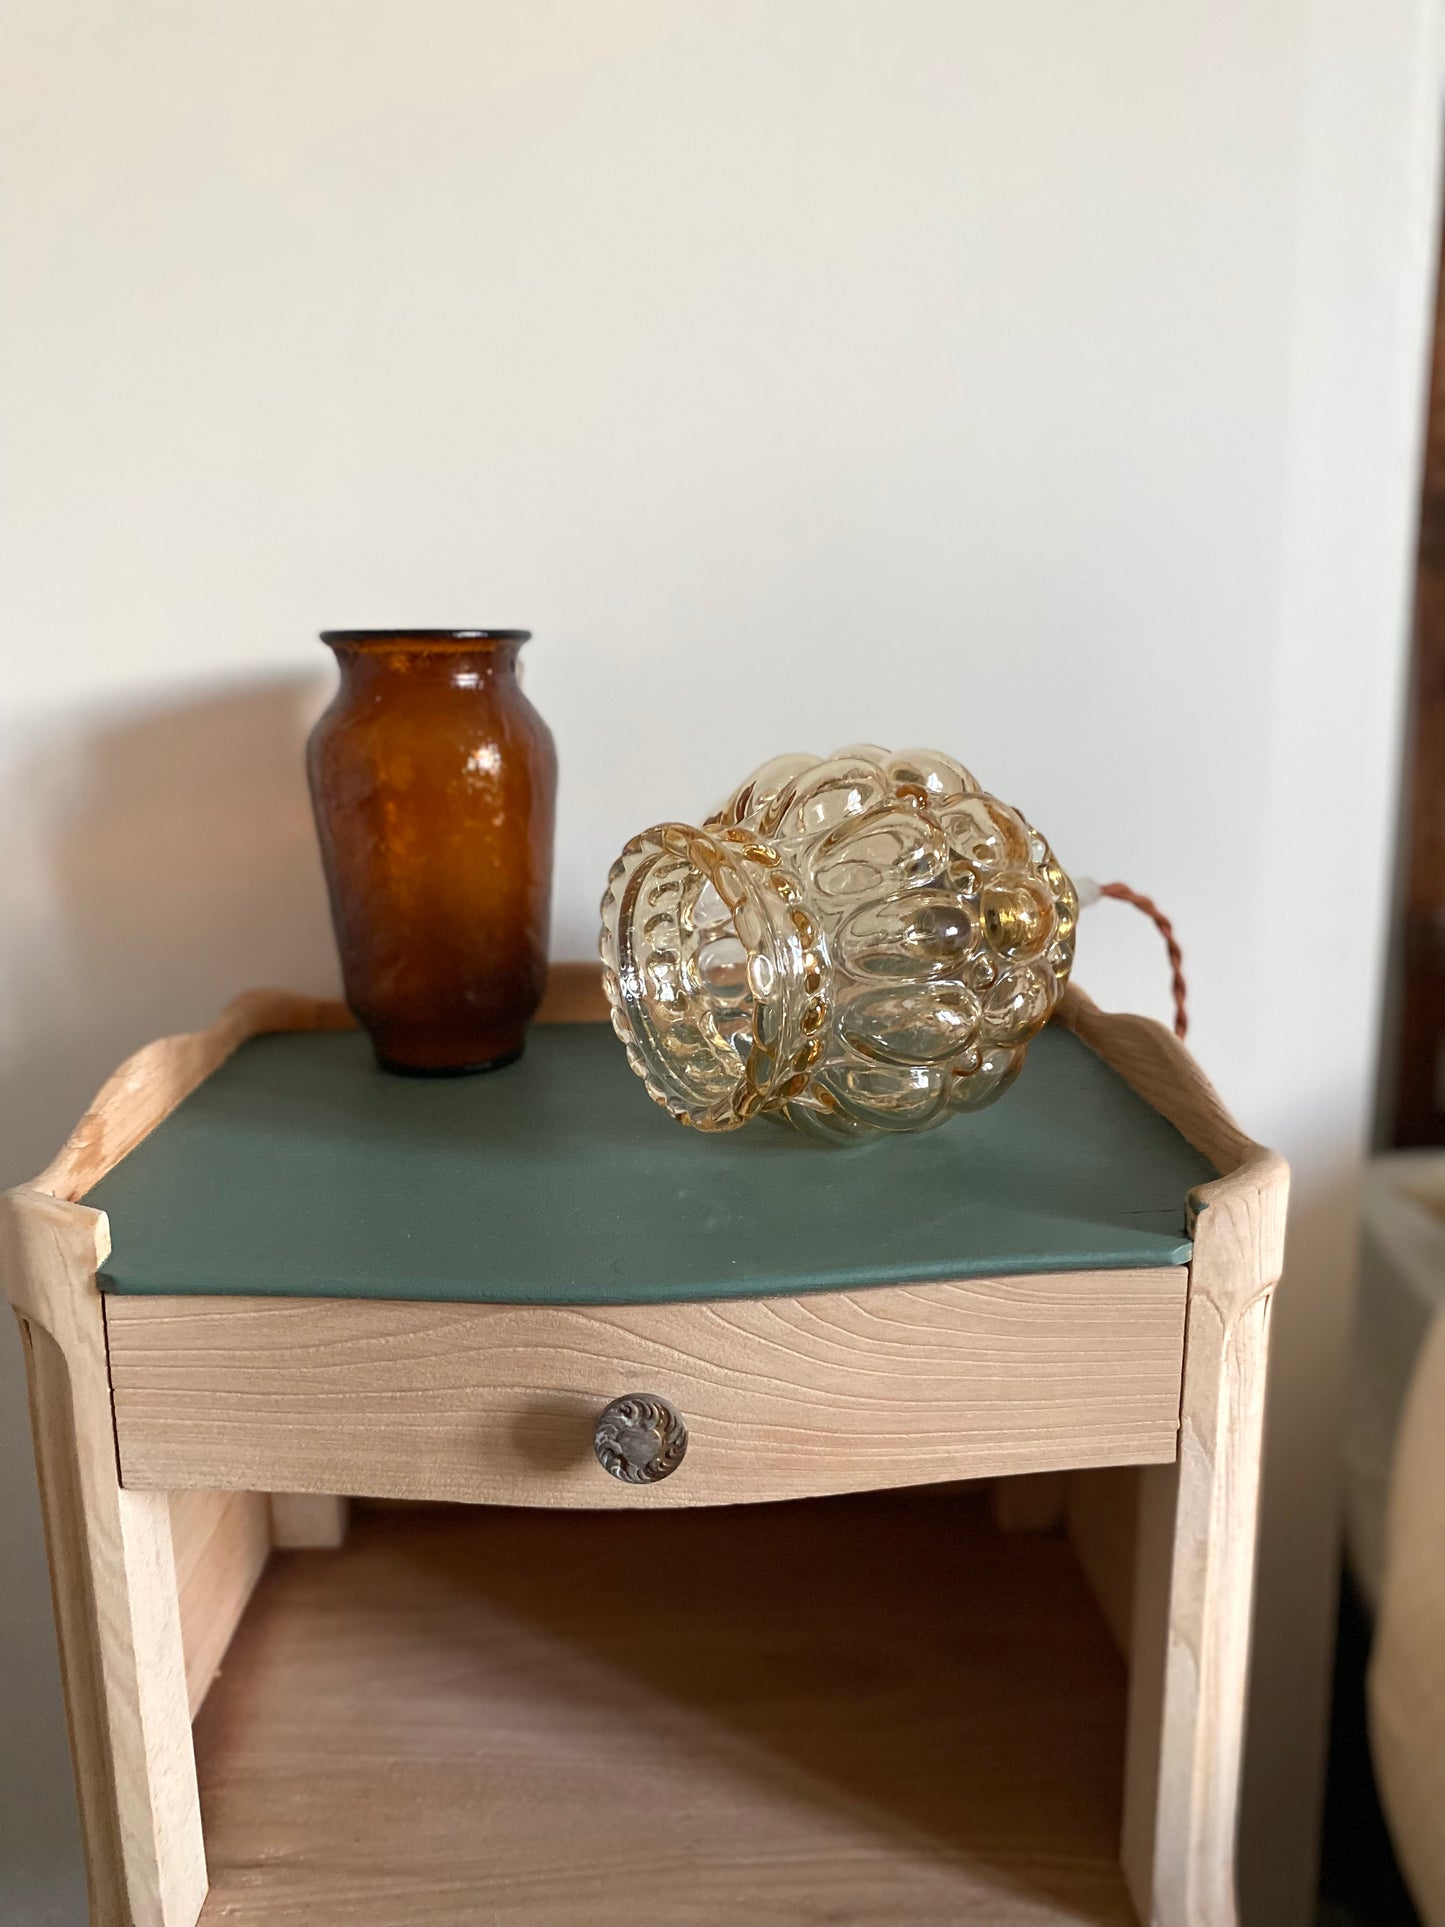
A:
(783, 1397)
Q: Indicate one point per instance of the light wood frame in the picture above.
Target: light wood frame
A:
(147, 1589)
(784, 1398)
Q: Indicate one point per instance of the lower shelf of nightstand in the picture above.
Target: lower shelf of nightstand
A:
(859, 1711)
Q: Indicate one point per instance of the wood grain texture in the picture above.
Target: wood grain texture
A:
(783, 1397)
(221, 1541)
(1194, 1567)
(1152, 1061)
(1190, 1636)
(113, 1581)
(309, 1519)
(865, 1712)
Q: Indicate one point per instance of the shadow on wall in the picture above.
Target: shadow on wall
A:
(170, 862)
(156, 863)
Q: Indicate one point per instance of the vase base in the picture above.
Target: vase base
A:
(451, 1070)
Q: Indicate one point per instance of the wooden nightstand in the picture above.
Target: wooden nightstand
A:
(593, 1700)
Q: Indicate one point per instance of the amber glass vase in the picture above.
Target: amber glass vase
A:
(434, 784)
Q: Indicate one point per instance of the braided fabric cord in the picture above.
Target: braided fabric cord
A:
(1121, 893)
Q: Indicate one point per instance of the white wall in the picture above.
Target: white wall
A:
(1043, 383)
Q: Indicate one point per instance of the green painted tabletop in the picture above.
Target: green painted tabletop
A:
(300, 1169)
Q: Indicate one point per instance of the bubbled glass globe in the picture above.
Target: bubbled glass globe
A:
(854, 943)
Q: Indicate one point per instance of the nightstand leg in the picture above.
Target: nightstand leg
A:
(113, 1577)
(1193, 1585)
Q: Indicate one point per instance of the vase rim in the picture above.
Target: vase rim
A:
(362, 637)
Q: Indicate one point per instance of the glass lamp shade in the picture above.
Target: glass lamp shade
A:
(857, 943)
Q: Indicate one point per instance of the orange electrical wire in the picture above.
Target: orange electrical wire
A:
(1121, 893)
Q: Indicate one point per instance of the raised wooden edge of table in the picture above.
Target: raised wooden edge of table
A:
(113, 1551)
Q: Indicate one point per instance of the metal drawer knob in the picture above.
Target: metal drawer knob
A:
(640, 1438)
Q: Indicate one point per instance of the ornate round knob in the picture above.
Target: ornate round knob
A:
(640, 1438)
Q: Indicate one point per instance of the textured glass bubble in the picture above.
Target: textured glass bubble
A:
(985, 834)
(703, 907)
(885, 850)
(1066, 903)
(722, 964)
(854, 944)
(878, 1098)
(925, 933)
(749, 926)
(1018, 916)
(1019, 1003)
(726, 880)
(765, 789)
(863, 752)
(921, 1025)
(761, 976)
(985, 1080)
(831, 794)
(929, 770)
(981, 972)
